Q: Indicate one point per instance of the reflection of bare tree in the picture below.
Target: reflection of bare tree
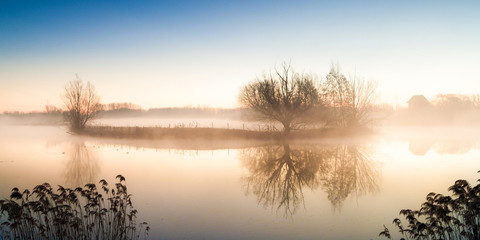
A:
(349, 169)
(277, 174)
(82, 166)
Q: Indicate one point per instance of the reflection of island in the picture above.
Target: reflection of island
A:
(81, 167)
(277, 174)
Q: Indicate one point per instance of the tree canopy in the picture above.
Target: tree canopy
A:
(82, 103)
(284, 96)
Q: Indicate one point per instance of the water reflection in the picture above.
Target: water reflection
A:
(419, 146)
(441, 140)
(278, 174)
(82, 165)
(349, 169)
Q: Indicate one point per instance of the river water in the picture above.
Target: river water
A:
(329, 189)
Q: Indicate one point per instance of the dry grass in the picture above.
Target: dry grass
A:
(160, 133)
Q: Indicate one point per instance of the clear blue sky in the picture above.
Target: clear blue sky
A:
(177, 53)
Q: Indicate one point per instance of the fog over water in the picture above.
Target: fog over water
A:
(328, 189)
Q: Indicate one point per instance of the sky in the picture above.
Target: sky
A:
(200, 53)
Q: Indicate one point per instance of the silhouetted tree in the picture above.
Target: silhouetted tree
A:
(335, 92)
(82, 103)
(350, 100)
(364, 95)
(284, 96)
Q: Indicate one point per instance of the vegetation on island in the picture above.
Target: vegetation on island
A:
(296, 100)
(304, 107)
(284, 96)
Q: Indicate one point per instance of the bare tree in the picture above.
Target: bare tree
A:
(364, 95)
(82, 103)
(350, 100)
(336, 94)
(284, 96)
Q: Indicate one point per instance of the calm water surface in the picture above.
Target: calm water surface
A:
(340, 189)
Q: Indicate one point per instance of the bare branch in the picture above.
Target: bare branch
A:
(82, 103)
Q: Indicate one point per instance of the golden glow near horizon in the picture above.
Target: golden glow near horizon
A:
(184, 57)
(197, 85)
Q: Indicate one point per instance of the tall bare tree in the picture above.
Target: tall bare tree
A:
(284, 96)
(82, 103)
(350, 100)
(364, 96)
(336, 94)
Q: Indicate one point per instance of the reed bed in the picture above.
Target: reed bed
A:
(181, 133)
(176, 133)
(80, 213)
(443, 217)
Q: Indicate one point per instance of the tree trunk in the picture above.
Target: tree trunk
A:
(286, 128)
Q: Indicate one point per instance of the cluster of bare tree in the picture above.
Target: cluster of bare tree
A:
(350, 101)
(296, 100)
(293, 99)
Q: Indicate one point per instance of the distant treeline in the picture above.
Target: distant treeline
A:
(443, 109)
(115, 110)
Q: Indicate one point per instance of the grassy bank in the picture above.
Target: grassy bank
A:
(160, 133)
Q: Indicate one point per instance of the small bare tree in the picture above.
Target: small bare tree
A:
(284, 96)
(82, 103)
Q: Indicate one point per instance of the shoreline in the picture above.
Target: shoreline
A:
(162, 133)
(215, 138)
